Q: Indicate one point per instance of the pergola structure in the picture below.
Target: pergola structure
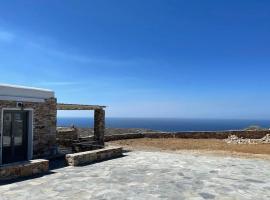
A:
(99, 118)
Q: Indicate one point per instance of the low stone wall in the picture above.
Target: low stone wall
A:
(88, 157)
(209, 134)
(123, 136)
(64, 133)
(190, 135)
(65, 138)
(23, 169)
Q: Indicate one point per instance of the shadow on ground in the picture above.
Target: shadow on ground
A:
(102, 161)
(53, 164)
(15, 180)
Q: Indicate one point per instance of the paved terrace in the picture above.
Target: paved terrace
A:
(151, 175)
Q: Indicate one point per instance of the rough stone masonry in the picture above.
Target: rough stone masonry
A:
(44, 125)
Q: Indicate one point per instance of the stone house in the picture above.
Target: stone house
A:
(28, 123)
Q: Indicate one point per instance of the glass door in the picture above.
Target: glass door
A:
(14, 145)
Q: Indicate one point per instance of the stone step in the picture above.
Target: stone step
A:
(88, 157)
(23, 169)
(86, 146)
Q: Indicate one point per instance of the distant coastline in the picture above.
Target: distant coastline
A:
(165, 124)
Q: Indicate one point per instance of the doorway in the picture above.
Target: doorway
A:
(15, 136)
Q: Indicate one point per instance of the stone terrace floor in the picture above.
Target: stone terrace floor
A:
(151, 175)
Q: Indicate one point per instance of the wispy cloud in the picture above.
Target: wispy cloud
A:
(50, 47)
(54, 55)
(81, 58)
(58, 83)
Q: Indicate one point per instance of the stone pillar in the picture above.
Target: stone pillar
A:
(99, 126)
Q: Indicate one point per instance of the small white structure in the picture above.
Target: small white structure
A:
(28, 123)
(20, 93)
(28, 129)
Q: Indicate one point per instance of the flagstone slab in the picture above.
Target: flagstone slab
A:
(144, 175)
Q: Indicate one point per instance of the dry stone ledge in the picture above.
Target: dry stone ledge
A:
(88, 157)
(250, 134)
(23, 169)
(64, 133)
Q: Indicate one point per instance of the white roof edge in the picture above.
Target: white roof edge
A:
(25, 87)
(18, 91)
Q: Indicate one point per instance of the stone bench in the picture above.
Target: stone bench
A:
(23, 169)
(88, 157)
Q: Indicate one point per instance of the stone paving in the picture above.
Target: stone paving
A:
(151, 175)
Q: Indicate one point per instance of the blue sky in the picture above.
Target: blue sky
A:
(143, 58)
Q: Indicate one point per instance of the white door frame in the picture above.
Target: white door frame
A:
(30, 131)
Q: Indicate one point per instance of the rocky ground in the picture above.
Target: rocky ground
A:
(201, 145)
(231, 145)
(233, 139)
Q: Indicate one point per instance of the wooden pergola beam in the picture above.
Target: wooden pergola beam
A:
(64, 106)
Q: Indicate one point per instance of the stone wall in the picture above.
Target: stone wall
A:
(44, 125)
(123, 136)
(208, 134)
(99, 126)
(257, 134)
(87, 157)
(190, 135)
(24, 169)
(64, 133)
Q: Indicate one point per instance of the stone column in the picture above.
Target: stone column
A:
(99, 126)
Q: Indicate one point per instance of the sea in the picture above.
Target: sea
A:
(167, 124)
